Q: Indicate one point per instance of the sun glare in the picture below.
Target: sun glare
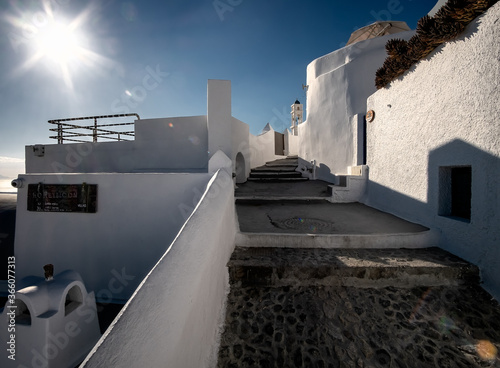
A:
(54, 42)
(59, 43)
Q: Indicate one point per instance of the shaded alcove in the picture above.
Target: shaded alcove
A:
(240, 169)
(23, 315)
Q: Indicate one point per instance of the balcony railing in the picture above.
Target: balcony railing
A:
(77, 133)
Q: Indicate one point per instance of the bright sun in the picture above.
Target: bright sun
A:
(61, 46)
(59, 43)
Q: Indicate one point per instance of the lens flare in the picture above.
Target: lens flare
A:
(194, 140)
(129, 11)
(446, 324)
(419, 306)
(486, 350)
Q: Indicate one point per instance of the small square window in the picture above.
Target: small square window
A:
(455, 192)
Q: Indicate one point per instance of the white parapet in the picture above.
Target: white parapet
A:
(175, 316)
(351, 187)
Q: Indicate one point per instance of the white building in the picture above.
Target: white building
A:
(165, 225)
(434, 145)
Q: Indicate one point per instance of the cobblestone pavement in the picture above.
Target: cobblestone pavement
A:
(325, 326)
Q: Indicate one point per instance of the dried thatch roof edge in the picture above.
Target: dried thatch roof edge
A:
(447, 24)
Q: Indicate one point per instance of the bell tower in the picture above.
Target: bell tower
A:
(297, 114)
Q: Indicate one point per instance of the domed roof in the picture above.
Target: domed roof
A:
(377, 29)
(297, 102)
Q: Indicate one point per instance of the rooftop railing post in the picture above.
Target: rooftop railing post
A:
(74, 132)
(59, 133)
(95, 130)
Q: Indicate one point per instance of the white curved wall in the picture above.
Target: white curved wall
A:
(175, 316)
(444, 112)
(339, 84)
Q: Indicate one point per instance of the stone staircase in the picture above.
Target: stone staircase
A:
(357, 308)
(282, 170)
(351, 303)
(282, 267)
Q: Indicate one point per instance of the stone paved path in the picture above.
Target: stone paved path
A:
(318, 217)
(322, 326)
(349, 307)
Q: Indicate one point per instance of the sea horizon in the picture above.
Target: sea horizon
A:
(6, 187)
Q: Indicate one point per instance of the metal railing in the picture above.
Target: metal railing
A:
(74, 133)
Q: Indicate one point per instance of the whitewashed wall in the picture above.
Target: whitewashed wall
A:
(262, 148)
(138, 215)
(219, 117)
(166, 144)
(241, 144)
(444, 112)
(178, 143)
(339, 84)
(175, 316)
(292, 143)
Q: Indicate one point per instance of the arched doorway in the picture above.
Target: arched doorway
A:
(240, 170)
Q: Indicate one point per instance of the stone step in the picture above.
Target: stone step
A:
(283, 162)
(365, 268)
(275, 180)
(274, 169)
(410, 240)
(275, 174)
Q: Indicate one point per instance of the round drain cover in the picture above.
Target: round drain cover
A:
(304, 224)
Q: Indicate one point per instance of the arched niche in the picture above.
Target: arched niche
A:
(23, 315)
(74, 299)
(240, 169)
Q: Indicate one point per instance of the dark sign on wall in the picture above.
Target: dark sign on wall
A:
(62, 197)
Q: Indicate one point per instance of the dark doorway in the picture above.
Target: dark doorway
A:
(279, 144)
(461, 181)
(455, 192)
(364, 141)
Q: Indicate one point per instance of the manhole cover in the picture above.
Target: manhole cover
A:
(304, 224)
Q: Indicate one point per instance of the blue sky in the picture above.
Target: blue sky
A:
(263, 47)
